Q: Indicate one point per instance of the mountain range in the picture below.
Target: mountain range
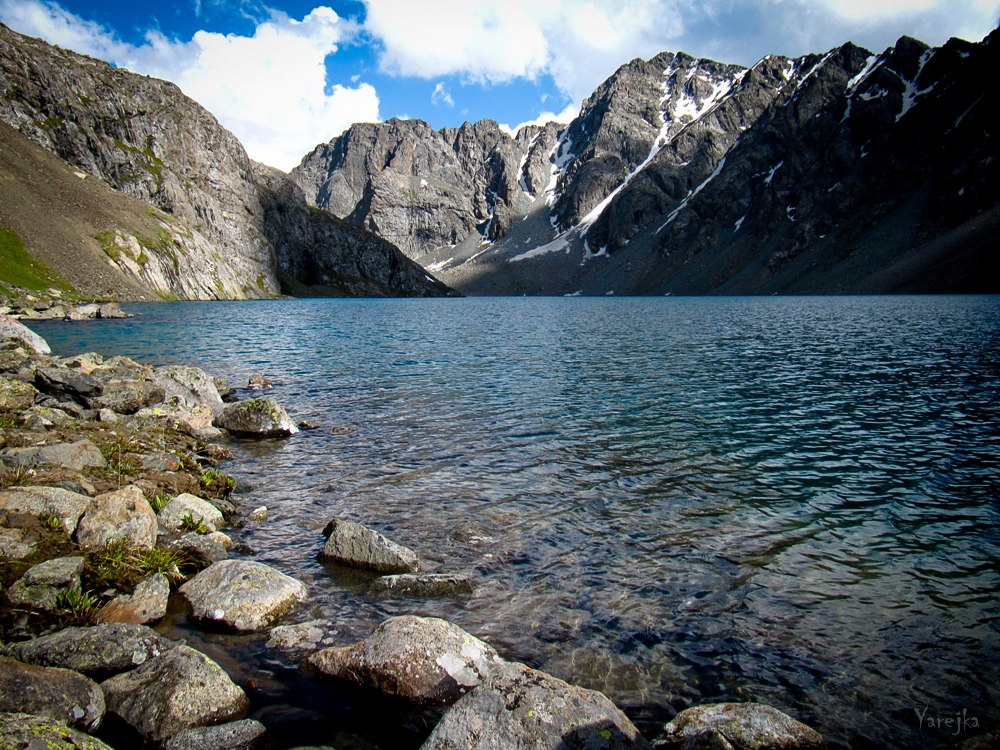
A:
(843, 172)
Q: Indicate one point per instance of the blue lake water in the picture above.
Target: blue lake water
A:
(673, 500)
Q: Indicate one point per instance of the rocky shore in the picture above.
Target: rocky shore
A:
(112, 508)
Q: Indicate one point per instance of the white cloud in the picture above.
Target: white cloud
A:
(566, 116)
(441, 95)
(269, 89)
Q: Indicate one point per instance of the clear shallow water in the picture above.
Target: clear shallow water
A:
(790, 500)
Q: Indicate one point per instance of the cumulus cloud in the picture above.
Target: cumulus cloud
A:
(269, 89)
(441, 95)
(566, 116)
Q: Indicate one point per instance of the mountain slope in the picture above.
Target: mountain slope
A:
(843, 172)
(144, 138)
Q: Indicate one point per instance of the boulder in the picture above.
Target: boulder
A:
(174, 691)
(86, 363)
(191, 420)
(16, 544)
(115, 516)
(258, 514)
(146, 604)
(423, 660)
(77, 456)
(14, 329)
(109, 310)
(65, 384)
(51, 692)
(258, 383)
(246, 734)
(518, 707)
(300, 635)
(256, 417)
(98, 651)
(423, 584)
(191, 385)
(43, 501)
(358, 546)
(20, 731)
(242, 595)
(16, 395)
(40, 586)
(128, 396)
(201, 549)
(172, 515)
(738, 726)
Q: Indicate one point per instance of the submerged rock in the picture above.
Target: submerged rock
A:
(50, 692)
(39, 502)
(424, 660)
(98, 651)
(14, 329)
(172, 692)
(423, 584)
(122, 515)
(21, 731)
(737, 726)
(256, 417)
(39, 588)
(358, 546)
(242, 595)
(300, 635)
(518, 707)
(246, 734)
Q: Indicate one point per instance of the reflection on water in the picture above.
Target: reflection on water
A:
(790, 500)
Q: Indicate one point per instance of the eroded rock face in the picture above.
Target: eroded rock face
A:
(242, 595)
(52, 693)
(177, 690)
(423, 660)
(518, 707)
(20, 730)
(122, 515)
(737, 726)
(256, 417)
(358, 546)
(98, 651)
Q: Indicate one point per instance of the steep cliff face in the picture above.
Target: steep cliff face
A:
(141, 136)
(827, 173)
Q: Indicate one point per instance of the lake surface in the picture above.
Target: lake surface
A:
(672, 500)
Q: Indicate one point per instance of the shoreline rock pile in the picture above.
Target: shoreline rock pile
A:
(110, 504)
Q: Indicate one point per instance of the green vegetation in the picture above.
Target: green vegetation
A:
(52, 122)
(214, 484)
(146, 158)
(158, 502)
(121, 566)
(260, 281)
(197, 525)
(18, 477)
(76, 605)
(120, 455)
(19, 269)
(8, 420)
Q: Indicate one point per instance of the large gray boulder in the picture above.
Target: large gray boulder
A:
(67, 384)
(41, 502)
(126, 396)
(177, 690)
(201, 549)
(121, 515)
(79, 455)
(40, 586)
(737, 726)
(58, 694)
(517, 708)
(424, 660)
(358, 546)
(242, 595)
(172, 515)
(10, 328)
(191, 385)
(246, 734)
(256, 417)
(98, 651)
(21, 731)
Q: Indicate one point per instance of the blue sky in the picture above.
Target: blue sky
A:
(285, 75)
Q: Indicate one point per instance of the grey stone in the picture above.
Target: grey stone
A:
(358, 546)
(201, 549)
(174, 691)
(79, 455)
(121, 515)
(128, 396)
(66, 384)
(192, 385)
(258, 515)
(738, 726)
(67, 506)
(518, 707)
(14, 329)
(242, 595)
(247, 734)
(21, 731)
(148, 603)
(16, 544)
(50, 692)
(98, 651)
(172, 515)
(16, 395)
(423, 584)
(424, 660)
(256, 417)
(300, 635)
(40, 586)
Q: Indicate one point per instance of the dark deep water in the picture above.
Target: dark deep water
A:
(676, 500)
